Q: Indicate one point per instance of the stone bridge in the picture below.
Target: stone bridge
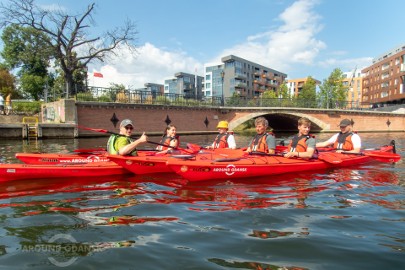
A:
(188, 120)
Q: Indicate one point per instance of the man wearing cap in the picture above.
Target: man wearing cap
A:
(344, 141)
(122, 144)
(224, 139)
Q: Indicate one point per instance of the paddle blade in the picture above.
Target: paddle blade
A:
(384, 156)
(94, 129)
(194, 147)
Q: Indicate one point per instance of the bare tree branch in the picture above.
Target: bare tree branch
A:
(73, 46)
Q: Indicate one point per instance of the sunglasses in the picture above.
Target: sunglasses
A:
(129, 128)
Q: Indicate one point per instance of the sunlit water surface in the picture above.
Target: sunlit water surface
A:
(347, 218)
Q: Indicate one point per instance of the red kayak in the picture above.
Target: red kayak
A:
(76, 158)
(10, 172)
(157, 163)
(35, 158)
(247, 166)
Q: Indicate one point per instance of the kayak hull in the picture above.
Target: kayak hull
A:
(49, 159)
(258, 166)
(9, 172)
(142, 165)
(55, 158)
(150, 164)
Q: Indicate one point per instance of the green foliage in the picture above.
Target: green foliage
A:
(85, 97)
(162, 100)
(308, 92)
(308, 89)
(33, 85)
(332, 91)
(284, 93)
(105, 98)
(26, 107)
(269, 94)
(7, 82)
(27, 48)
(235, 100)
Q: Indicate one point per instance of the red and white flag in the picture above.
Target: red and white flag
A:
(98, 74)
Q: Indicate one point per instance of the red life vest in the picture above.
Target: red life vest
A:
(344, 142)
(221, 141)
(166, 141)
(259, 143)
(299, 144)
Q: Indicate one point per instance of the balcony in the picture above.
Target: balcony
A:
(240, 85)
(240, 76)
(258, 82)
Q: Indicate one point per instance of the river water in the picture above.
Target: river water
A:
(346, 218)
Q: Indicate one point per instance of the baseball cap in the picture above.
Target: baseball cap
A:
(126, 122)
(345, 122)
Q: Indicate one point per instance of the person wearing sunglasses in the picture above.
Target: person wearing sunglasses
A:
(123, 144)
(344, 141)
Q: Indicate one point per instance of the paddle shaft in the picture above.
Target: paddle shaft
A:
(114, 133)
(381, 156)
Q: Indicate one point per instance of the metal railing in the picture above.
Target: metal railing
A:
(102, 94)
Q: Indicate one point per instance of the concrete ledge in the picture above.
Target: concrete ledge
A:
(12, 130)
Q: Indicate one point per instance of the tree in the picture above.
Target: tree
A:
(283, 91)
(25, 49)
(7, 81)
(308, 93)
(332, 91)
(72, 45)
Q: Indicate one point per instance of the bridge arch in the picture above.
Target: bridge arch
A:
(281, 121)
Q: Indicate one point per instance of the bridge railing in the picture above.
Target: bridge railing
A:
(100, 94)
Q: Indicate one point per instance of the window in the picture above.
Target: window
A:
(207, 85)
(208, 77)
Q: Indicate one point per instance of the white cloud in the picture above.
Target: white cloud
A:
(292, 42)
(346, 64)
(290, 45)
(149, 65)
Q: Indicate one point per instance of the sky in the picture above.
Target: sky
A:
(300, 38)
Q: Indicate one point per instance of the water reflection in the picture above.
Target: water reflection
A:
(119, 192)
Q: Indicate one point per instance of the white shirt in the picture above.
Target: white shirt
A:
(355, 140)
(231, 141)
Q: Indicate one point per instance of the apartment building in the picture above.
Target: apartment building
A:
(240, 76)
(154, 88)
(354, 83)
(383, 81)
(189, 85)
(295, 85)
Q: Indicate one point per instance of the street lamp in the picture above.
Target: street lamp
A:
(222, 98)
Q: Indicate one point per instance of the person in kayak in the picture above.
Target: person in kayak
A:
(263, 141)
(344, 141)
(224, 139)
(302, 145)
(123, 144)
(170, 139)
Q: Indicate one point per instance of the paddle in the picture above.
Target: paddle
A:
(332, 159)
(325, 157)
(114, 133)
(380, 156)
